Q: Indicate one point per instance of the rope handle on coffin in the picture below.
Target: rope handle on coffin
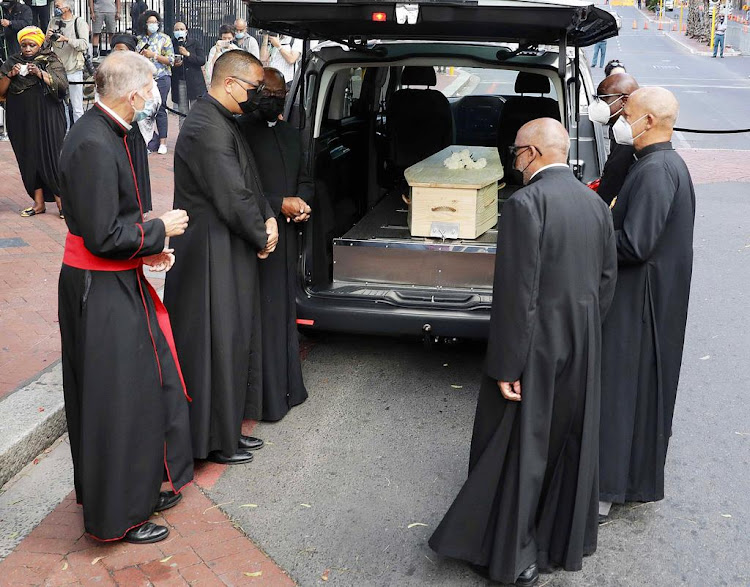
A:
(443, 209)
(406, 199)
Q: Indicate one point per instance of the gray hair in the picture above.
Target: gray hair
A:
(121, 73)
(68, 4)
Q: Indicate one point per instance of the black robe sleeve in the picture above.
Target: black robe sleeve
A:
(101, 227)
(305, 183)
(649, 202)
(217, 168)
(608, 278)
(515, 292)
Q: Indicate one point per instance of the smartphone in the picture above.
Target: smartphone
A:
(223, 43)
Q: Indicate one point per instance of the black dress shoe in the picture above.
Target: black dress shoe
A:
(238, 458)
(147, 534)
(529, 577)
(250, 443)
(167, 499)
(602, 519)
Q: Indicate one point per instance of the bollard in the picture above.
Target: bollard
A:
(635, 24)
(645, 25)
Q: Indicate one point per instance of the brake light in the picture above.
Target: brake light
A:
(303, 322)
(594, 185)
(378, 17)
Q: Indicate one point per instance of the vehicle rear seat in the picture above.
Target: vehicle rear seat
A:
(419, 122)
(519, 110)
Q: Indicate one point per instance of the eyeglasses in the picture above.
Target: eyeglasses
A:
(516, 149)
(274, 94)
(258, 87)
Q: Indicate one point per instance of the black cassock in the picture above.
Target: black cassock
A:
(212, 290)
(615, 170)
(645, 329)
(126, 407)
(532, 492)
(139, 153)
(279, 157)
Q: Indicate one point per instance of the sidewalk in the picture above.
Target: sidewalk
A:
(204, 547)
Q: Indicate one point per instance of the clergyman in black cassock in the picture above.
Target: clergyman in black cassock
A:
(532, 492)
(277, 150)
(125, 402)
(644, 332)
(212, 291)
(613, 91)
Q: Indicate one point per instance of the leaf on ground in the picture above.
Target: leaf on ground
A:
(41, 409)
(249, 505)
(65, 566)
(255, 574)
(457, 386)
(743, 433)
(726, 515)
(96, 560)
(445, 364)
(415, 524)
(166, 559)
(706, 358)
(325, 574)
(305, 505)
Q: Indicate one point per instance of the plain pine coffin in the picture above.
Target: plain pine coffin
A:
(454, 203)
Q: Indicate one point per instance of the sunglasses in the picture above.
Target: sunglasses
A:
(258, 87)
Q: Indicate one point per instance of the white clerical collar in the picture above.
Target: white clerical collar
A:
(547, 167)
(271, 124)
(114, 115)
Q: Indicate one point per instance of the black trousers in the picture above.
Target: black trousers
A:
(41, 16)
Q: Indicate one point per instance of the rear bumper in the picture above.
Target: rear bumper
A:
(377, 317)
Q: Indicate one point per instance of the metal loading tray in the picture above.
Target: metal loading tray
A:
(380, 249)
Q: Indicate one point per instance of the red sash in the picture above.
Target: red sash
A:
(78, 256)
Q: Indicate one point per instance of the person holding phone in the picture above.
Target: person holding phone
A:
(224, 44)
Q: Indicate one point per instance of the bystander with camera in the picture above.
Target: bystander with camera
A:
(68, 36)
(224, 44)
(281, 52)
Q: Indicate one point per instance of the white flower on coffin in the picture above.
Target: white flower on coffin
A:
(464, 160)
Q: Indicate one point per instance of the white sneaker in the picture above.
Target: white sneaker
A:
(162, 150)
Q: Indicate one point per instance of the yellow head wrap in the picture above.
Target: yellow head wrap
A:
(33, 33)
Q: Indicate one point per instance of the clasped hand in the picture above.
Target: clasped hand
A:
(160, 262)
(295, 209)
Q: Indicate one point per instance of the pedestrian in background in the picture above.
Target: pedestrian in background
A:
(212, 291)
(125, 402)
(719, 32)
(16, 16)
(140, 135)
(244, 40)
(600, 50)
(282, 53)
(224, 44)
(34, 84)
(40, 10)
(187, 70)
(104, 13)
(278, 154)
(530, 502)
(644, 332)
(68, 36)
(157, 47)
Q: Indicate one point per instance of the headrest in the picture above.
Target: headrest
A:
(418, 75)
(532, 83)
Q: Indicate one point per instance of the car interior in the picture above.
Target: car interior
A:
(374, 122)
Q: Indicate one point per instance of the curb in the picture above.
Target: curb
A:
(693, 51)
(31, 419)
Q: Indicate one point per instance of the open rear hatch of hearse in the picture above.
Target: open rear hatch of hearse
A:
(377, 256)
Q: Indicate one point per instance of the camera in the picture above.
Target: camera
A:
(57, 31)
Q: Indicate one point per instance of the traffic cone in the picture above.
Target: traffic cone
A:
(645, 25)
(684, 27)
(661, 26)
(674, 26)
(635, 24)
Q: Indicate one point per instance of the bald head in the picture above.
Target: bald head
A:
(617, 83)
(273, 79)
(239, 64)
(541, 142)
(652, 113)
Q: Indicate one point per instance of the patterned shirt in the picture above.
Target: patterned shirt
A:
(160, 44)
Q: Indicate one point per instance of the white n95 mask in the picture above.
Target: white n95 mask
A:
(599, 109)
(623, 131)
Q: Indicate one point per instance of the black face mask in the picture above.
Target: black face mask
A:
(253, 101)
(270, 107)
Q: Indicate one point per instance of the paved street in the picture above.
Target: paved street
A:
(352, 483)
